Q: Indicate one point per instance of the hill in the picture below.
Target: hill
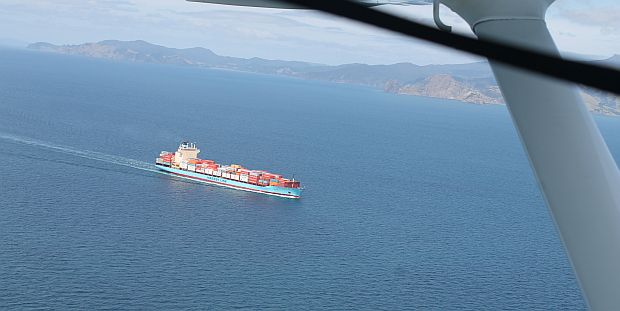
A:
(472, 83)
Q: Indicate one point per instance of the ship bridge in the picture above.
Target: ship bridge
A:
(187, 150)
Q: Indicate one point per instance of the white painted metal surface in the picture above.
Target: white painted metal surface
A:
(575, 171)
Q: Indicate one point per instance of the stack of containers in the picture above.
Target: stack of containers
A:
(233, 171)
(286, 183)
(266, 179)
(200, 166)
(254, 177)
(217, 172)
(270, 179)
(167, 158)
(244, 175)
(224, 171)
(191, 165)
(211, 168)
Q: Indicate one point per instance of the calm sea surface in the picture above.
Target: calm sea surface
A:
(410, 203)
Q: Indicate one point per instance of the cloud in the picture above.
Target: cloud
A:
(276, 34)
(607, 19)
(586, 27)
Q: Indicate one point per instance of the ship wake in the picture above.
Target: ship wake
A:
(86, 154)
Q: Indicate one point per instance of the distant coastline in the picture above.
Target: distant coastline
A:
(470, 83)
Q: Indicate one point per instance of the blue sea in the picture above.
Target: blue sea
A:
(411, 203)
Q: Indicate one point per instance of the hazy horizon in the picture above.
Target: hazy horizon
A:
(16, 44)
(583, 28)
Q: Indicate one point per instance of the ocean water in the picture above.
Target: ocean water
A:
(410, 203)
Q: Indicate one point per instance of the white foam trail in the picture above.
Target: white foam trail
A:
(87, 154)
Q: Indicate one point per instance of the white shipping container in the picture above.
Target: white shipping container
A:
(183, 165)
(226, 175)
(244, 178)
(209, 171)
(217, 173)
(234, 176)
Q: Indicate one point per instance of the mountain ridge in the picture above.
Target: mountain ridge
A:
(471, 83)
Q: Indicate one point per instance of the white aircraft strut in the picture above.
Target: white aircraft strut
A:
(575, 171)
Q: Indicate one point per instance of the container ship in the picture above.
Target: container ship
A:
(185, 163)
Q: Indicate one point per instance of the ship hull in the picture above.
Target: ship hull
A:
(291, 193)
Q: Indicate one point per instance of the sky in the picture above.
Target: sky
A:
(580, 27)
